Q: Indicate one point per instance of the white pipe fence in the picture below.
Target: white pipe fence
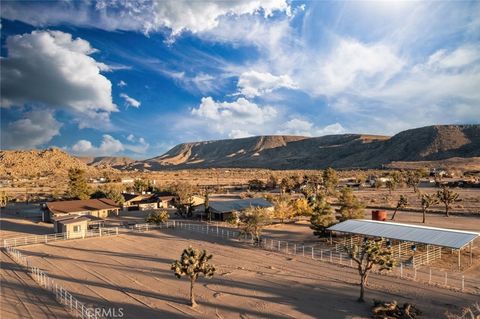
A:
(429, 275)
(63, 296)
(45, 239)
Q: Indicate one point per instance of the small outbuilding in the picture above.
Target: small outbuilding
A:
(74, 226)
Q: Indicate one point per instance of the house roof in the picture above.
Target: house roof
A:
(74, 220)
(444, 237)
(238, 204)
(73, 206)
(130, 196)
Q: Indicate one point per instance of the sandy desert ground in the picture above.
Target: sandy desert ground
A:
(132, 271)
(22, 297)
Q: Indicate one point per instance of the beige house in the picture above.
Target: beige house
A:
(101, 208)
(75, 226)
(134, 201)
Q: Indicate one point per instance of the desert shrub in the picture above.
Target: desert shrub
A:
(157, 217)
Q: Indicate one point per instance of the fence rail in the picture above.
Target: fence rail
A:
(429, 276)
(44, 239)
(403, 270)
(63, 296)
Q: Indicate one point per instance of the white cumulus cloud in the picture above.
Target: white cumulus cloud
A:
(34, 129)
(240, 111)
(145, 16)
(253, 83)
(51, 68)
(110, 146)
(302, 127)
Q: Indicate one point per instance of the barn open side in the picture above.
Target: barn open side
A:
(417, 244)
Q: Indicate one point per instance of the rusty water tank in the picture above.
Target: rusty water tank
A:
(379, 215)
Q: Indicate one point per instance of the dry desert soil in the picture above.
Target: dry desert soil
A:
(132, 271)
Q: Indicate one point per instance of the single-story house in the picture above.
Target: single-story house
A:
(222, 210)
(101, 208)
(165, 199)
(147, 201)
(75, 226)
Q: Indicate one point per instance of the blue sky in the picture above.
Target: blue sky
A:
(138, 77)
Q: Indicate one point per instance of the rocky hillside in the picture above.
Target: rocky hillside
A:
(339, 151)
(106, 161)
(39, 163)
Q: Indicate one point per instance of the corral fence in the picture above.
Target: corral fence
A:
(45, 239)
(430, 276)
(63, 296)
(427, 275)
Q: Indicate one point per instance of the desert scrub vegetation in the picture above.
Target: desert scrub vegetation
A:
(157, 217)
(472, 312)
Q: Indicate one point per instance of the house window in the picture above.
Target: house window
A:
(76, 229)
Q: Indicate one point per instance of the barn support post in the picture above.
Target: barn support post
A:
(471, 253)
(459, 261)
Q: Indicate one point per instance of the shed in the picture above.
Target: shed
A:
(74, 227)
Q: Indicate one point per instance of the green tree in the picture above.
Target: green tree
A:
(184, 198)
(140, 185)
(350, 206)
(77, 184)
(192, 264)
(401, 203)
(301, 207)
(252, 223)
(283, 210)
(427, 200)
(157, 217)
(256, 185)
(323, 217)
(367, 255)
(330, 180)
(109, 192)
(447, 197)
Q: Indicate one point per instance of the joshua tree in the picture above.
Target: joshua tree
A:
(252, 223)
(427, 201)
(367, 255)
(193, 263)
(350, 206)
(402, 203)
(447, 197)
(3, 199)
(157, 217)
(323, 217)
(412, 179)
